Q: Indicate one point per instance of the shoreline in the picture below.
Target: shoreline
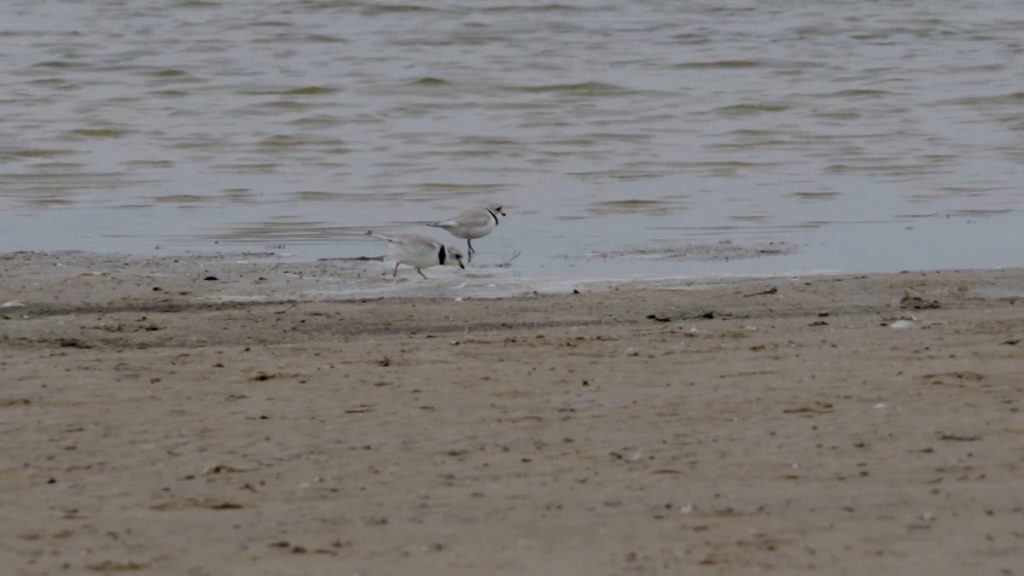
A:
(226, 278)
(849, 424)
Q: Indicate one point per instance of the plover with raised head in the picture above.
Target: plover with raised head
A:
(472, 223)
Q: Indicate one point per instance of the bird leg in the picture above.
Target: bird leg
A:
(470, 244)
(422, 274)
(395, 274)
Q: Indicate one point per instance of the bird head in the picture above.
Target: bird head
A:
(456, 256)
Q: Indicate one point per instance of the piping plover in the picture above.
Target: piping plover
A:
(472, 223)
(419, 252)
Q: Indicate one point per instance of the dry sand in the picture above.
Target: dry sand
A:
(159, 423)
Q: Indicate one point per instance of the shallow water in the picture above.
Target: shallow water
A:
(626, 138)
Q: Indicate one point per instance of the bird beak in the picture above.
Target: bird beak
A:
(461, 265)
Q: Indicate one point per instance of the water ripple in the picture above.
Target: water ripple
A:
(293, 120)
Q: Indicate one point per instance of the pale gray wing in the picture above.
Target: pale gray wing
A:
(474, 218)
(417, 241)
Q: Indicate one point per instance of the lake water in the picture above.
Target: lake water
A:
(625, 138)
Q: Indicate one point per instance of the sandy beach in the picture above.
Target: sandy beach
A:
(210, 416)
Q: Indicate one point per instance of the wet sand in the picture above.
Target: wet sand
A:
(259, 423)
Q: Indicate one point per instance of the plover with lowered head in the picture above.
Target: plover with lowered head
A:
(419, 252)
